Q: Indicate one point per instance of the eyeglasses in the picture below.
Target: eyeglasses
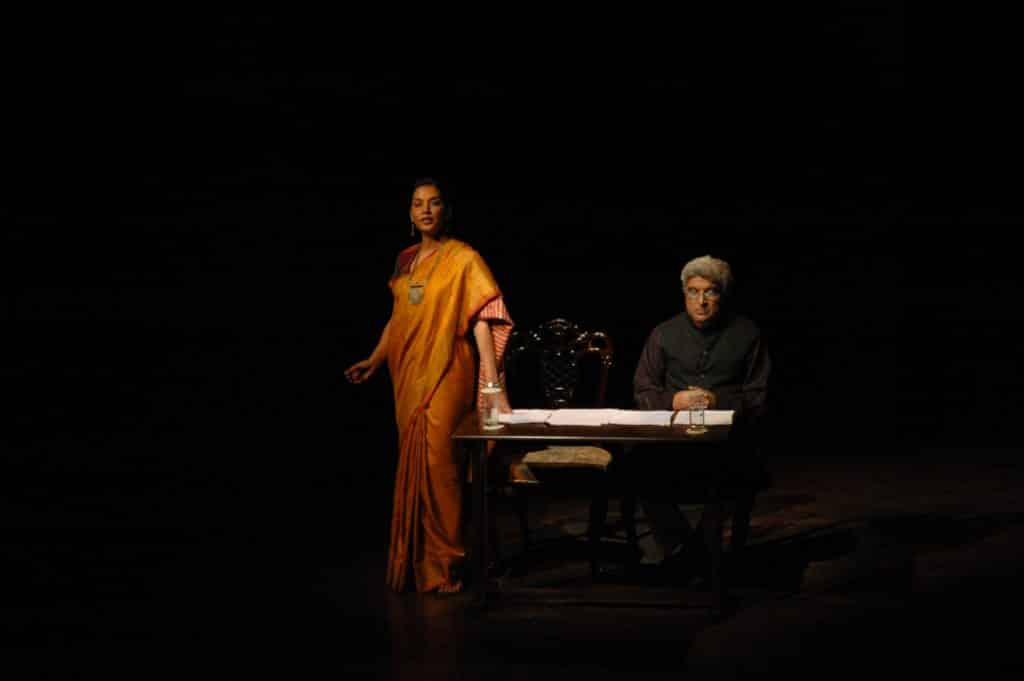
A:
(709, 294)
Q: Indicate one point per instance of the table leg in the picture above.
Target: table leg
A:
(480, 548)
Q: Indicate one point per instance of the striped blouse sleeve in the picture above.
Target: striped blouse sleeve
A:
(500, 323)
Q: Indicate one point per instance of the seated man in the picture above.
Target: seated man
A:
(712, 353)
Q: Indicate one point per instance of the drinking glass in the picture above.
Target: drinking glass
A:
(491, 396)
(697, 406)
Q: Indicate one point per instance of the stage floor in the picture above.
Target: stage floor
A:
(854, 564)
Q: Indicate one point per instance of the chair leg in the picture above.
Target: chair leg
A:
(522, 511)
(628, 512)
(596, 526)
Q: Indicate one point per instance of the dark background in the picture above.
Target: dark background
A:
(206, 210)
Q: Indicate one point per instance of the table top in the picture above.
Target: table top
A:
(470, 429)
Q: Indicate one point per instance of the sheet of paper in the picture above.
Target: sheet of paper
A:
(632, 417)
(580, 417)
(525, 416)
(621, 417)
(712, 417)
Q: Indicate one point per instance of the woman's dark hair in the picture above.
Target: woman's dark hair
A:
(449, 224)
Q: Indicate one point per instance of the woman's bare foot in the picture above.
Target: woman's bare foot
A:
(450, 587)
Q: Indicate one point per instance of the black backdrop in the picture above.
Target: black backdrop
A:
(207, 209)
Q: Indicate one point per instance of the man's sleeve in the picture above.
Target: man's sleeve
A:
(749, 399)
(649, 390)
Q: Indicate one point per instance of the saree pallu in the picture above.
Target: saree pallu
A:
(433, 365)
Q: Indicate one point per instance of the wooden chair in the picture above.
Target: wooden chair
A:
(559, 365)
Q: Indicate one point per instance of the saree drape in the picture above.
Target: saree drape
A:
(433, 365)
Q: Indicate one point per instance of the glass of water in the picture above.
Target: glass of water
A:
(697, 406)
(491, 393)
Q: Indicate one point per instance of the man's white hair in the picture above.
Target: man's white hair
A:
(713, 269)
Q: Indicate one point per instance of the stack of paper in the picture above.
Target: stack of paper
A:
(580, 417)
(623, 417)
(619, 417)
(712, 417)
(525, 416)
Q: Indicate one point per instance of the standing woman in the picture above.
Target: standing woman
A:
(446, 336)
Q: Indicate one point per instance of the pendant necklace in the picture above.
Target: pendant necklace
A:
(416, 288)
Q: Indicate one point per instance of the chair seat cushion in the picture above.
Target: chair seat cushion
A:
(568, 457)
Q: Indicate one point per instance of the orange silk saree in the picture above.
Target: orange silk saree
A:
(433, 365)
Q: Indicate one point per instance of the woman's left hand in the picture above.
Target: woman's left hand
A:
(503, 405)
(360, 371)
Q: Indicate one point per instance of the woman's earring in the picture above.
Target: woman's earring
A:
(412, 229)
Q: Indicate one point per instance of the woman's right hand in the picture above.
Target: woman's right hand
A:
(360, 371)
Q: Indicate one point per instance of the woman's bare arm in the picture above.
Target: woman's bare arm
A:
(488, 358)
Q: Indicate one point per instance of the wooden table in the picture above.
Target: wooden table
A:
(471, 432)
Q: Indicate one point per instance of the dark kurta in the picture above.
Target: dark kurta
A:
(729, 359)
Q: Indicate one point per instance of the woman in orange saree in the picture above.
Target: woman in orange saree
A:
(447, 334)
